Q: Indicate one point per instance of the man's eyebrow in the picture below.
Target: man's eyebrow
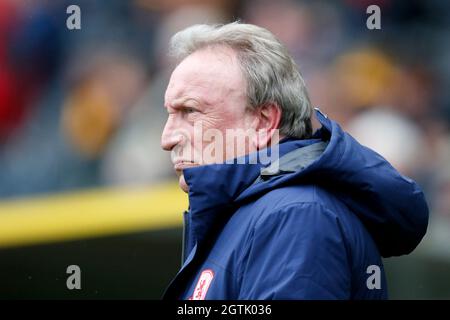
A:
(181, 101)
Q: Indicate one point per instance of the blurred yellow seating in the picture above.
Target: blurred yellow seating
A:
(91, 213)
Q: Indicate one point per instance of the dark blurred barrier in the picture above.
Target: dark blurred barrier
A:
(129, 266)
(418, 276)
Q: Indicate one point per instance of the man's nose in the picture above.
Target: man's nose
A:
(169, 137)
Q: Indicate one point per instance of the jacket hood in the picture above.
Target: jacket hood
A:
(392, 207)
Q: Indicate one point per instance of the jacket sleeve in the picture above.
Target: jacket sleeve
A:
(297, 252)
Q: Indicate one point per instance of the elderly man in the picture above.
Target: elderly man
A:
(312, 223)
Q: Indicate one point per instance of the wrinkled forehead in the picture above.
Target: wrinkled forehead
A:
(210, 73)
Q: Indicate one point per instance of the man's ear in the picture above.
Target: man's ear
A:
(267, 119)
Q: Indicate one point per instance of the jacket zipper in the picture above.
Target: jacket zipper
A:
(185, 234)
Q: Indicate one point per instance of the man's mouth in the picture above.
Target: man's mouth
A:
(182, 164)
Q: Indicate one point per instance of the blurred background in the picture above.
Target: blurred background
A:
(83, 179)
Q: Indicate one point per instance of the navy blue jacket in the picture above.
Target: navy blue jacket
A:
(313, 226)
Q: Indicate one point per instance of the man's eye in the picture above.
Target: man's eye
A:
(189, 110)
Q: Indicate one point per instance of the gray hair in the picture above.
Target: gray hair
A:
(272, 75)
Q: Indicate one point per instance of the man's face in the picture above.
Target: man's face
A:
(206, 91)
